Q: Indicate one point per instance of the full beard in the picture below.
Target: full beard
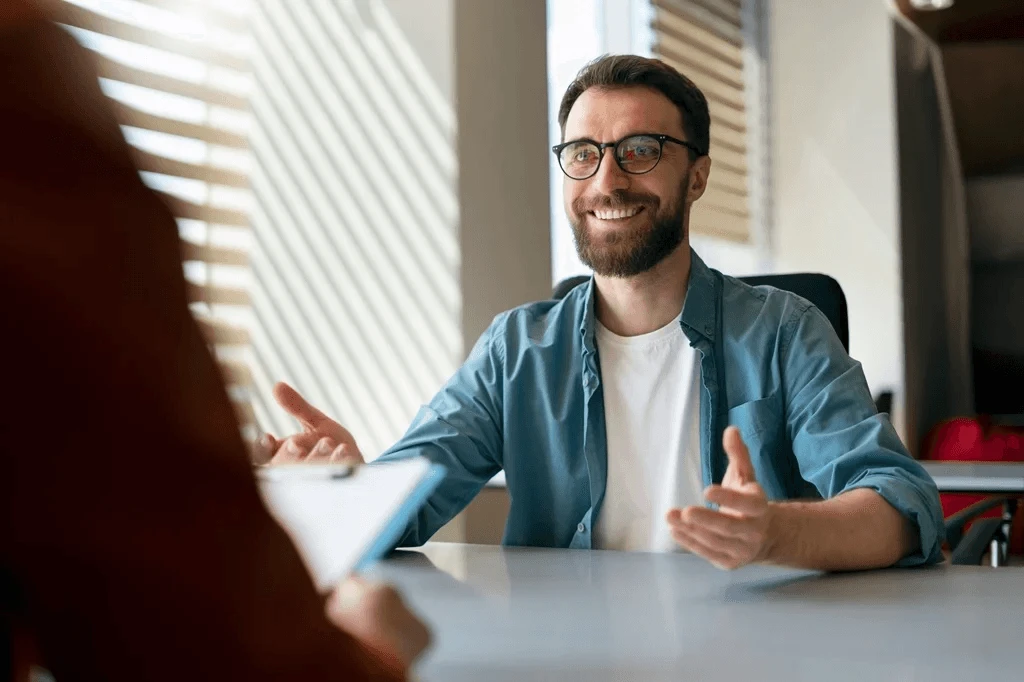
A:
(629, 251)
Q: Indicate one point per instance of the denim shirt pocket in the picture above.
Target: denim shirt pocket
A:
(760, 424)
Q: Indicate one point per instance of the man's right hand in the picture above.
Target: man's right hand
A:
(322, 439)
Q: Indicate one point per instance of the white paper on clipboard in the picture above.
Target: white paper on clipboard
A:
(341, 525)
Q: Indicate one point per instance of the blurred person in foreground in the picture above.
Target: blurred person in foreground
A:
(663, 405)
(122, 561)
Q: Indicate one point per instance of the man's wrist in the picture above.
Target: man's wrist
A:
(786, 521)
(771, 541)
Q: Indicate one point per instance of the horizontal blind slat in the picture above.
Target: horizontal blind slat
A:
(698, 60)
(733, 122)
(82, 18)
(723, 9)
(116, 71)
(727, 137)
(717, 91)
(709, 21)
(216, 255)
(153, 163)
(681, 28)
(208, 214)
(220, 333)
(728, 180)
(711, 222)
(131, 116)
(237, 23)
(244, 413)
(236, 373)
(723, 159)
(216, 295)
(724, 202)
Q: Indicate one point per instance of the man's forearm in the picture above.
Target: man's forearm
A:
(853, 531)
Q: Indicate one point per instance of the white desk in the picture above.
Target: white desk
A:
(977, 477)
(567, 615)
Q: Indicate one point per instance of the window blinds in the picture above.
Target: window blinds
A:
(704, 40)
(178, 76)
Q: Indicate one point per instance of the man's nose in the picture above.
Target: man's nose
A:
(609, 176)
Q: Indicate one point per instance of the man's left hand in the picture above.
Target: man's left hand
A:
(738, 532)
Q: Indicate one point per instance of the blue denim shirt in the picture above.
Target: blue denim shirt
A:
(529, 400)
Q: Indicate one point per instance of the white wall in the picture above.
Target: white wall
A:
(383, 242)
(501, 106)
(835, 167)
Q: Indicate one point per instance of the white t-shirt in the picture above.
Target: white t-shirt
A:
(652, 420)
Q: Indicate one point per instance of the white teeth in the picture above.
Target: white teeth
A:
(617, 214)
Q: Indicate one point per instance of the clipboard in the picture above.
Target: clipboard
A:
(343, 519)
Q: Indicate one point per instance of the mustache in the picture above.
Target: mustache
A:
(617, 199)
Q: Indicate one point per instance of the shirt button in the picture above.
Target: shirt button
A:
(581, 528)
(708, 329)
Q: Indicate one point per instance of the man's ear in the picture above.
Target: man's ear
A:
(698, 179)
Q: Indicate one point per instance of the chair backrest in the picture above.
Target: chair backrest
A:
(567, 285)
(821, 290)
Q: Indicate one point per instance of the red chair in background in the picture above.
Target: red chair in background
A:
(978, 439)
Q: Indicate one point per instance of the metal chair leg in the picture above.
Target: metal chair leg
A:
(1009, 510)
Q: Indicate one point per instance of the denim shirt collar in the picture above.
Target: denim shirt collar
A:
(700, 309)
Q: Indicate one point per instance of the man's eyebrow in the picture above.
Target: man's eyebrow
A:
(644, 131)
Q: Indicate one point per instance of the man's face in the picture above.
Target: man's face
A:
(625, 224)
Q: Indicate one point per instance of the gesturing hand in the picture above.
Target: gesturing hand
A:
(322, 439)
(737, 534)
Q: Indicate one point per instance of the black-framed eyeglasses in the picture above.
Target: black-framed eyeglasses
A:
(636, 154)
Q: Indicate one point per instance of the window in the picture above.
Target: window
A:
(178, 76)
(574, 38)
(704, 39)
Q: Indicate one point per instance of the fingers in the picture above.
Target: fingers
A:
(312, 419)
(307, 448)
(720, 558)
(739, 456)
(262, 450)
(346, 454)
(295, 405)
(295, 448)
(318, 453)
(746, 502)
(712, 523)
(727, 540)
(321, 452)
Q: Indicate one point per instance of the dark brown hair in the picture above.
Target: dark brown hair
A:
(625, 70)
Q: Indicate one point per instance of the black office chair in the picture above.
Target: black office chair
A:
(989, 535)
(826, 295)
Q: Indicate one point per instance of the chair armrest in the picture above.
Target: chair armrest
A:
(955, 523)
(975, 543)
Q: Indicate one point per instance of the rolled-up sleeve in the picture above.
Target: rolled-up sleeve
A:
(840, 441)
(461, 429)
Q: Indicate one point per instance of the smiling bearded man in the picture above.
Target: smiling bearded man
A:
(662, 405)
